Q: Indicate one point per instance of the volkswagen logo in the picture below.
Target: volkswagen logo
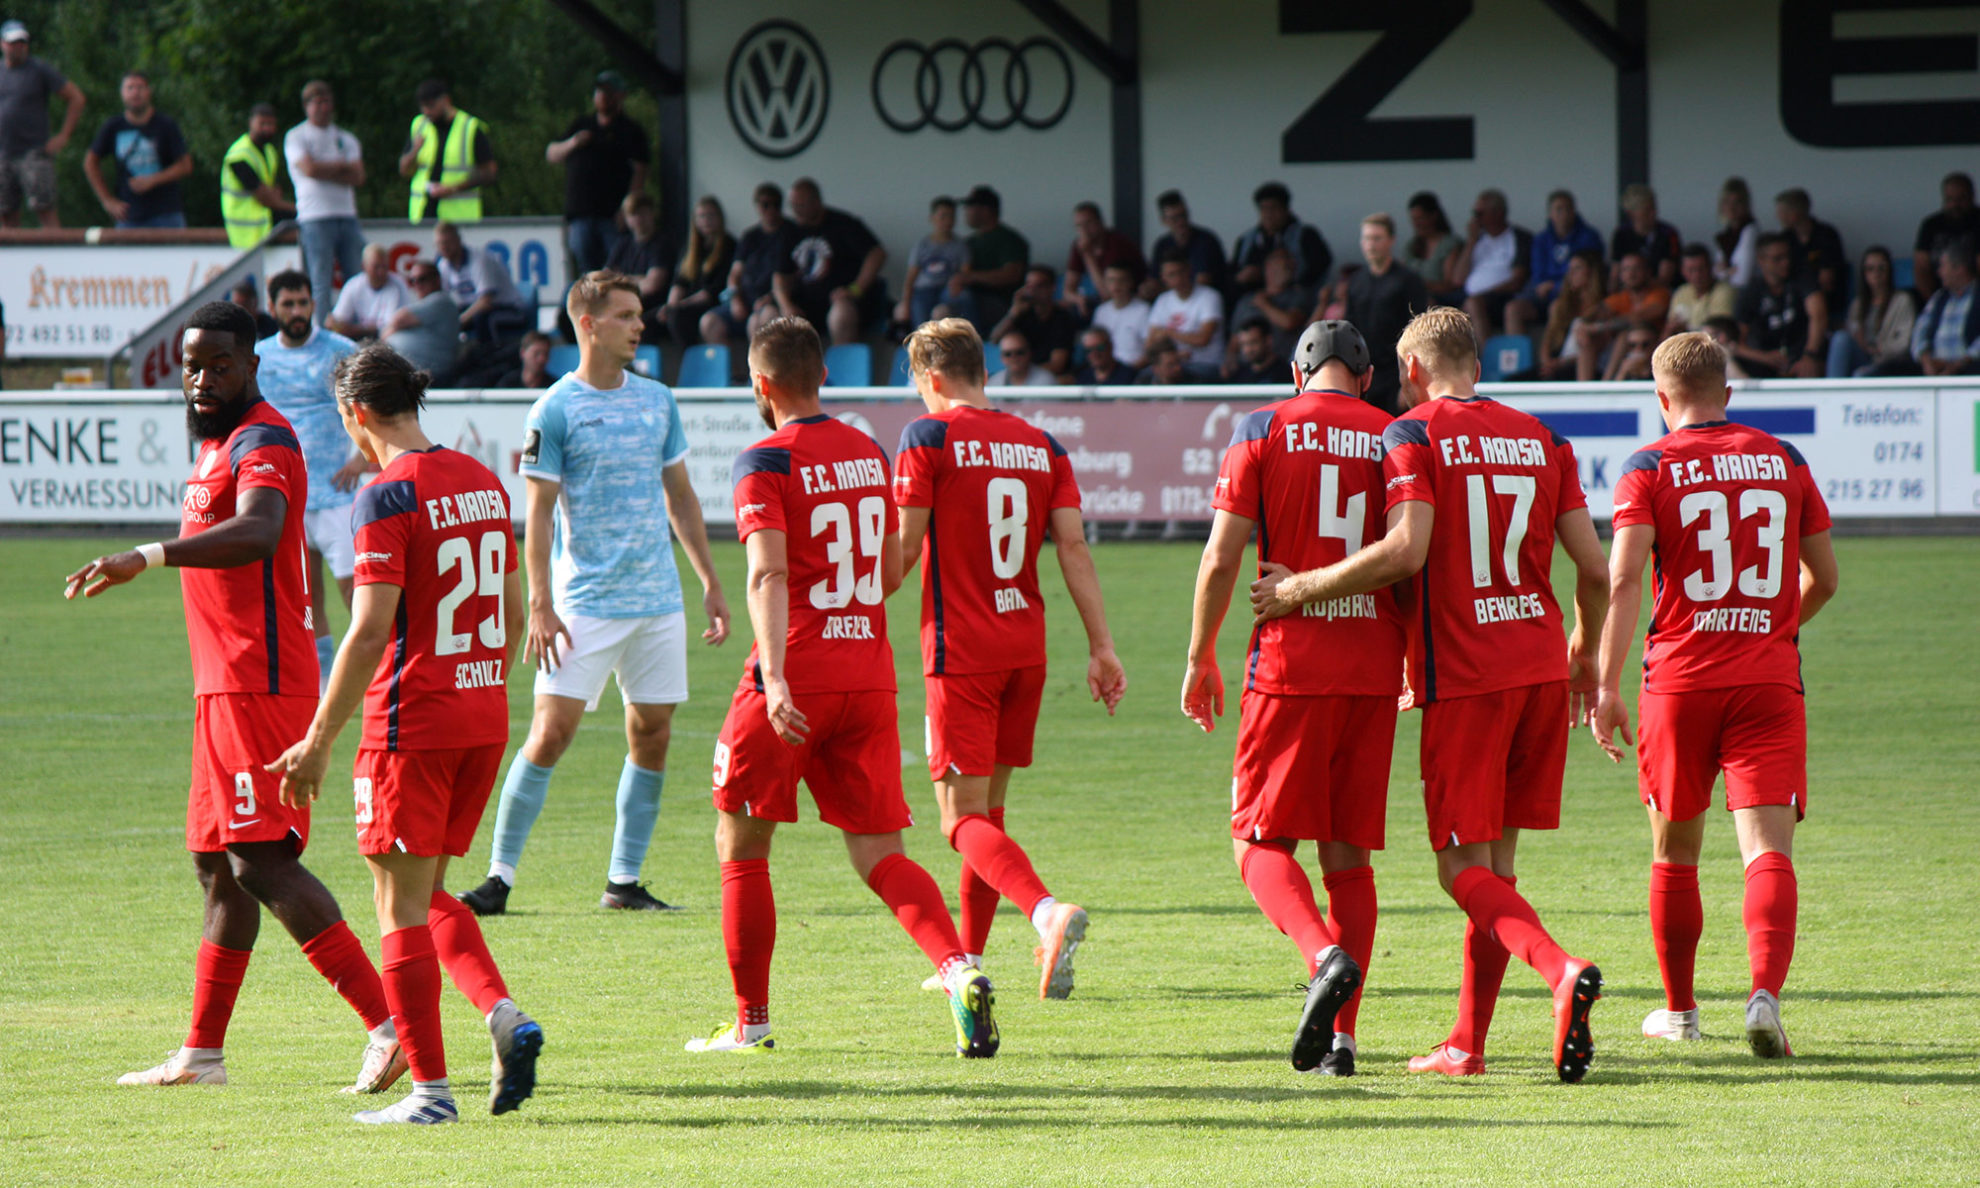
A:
(952, 85)
(778, 89)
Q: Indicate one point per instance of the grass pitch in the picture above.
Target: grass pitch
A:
(1169, 1063)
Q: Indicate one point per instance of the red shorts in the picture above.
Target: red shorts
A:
(1313, 768)
(1494, 762)
(980, 721)
(232, 799)
(423, 802)
(1757, 733)
(851, 761)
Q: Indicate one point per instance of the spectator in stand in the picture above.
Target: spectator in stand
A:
(1642, 232)
(1493, 262)
(935, 261)
(1639, 303)
(1878, 326)
(1188, 315)
(998, 256)
(1565, 234)
(1278, 303)
(245, 295)
(644, 254)
(1630, 357)
(492, 311)
(326, 165)
(1200, 244)
(1725, 332)
(1020, 369)
(1736, 244)
(1702, 296)
(448, 156)
(1946, 338)
(1096, 247)
(428, 331)
(1048, 326)
(604, 154)
(1583, 297)
(27, 151)
(151, 158)
(702, 274)
(535, 369)
(1124, 316)
(1819, 262)
(249, 199)
(831, 275)
(1101, 366)
(368, 301)
(751, 298)
(1784, 324)
(1431, 248)
(1278, 227)
(1254, 361)
(1956, 218)
(1381, 299)
(1165, 366)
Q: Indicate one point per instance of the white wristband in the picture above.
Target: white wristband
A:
(153, 554)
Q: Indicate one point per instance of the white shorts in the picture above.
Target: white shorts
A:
(328, 530)
(649, 656)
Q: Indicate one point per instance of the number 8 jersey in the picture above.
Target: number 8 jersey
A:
(1730, 506)
(436, 524)
(992, 482)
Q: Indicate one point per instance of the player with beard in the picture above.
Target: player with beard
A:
(246, 596)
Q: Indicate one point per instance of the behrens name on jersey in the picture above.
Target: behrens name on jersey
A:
(465, 508)
(1494, 451)
(1009, 455)
(1733, 468)
(837, 476)
(1506, 608)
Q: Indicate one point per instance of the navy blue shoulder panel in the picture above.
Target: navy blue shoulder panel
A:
(761, 460)
(1559, 441)
(1255, 425)
(926, 432)
(381, 501)
(249, 438)
(1642, 460)
(1058, 451)
(1793, 454)
(1405, 431)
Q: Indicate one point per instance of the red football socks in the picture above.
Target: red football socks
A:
(462, 952)
(1677, 918)
(412, 986)
(1772, 898)
(911, 892)
(1495, 906)
(749, 933)
(979, 899)
(1478, 988)
(1351, 914)
(999, 860)
(1285, 895)
(338, 956)
(217, 975)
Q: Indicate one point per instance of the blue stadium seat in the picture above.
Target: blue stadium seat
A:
(1505, 354)
(1903, 273)
(704, 367)
(903, 373)
(646, 361)
(993, 360)
(849, 365)
(563, 360)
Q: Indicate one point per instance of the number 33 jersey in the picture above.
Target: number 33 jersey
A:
(992, 482)
(1729, 506)
(824, 485)
(1486, 618)
(436, 524)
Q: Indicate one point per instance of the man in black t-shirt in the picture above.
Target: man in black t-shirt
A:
(751, 298)
(1381, 299)
(604, 155)
(830, 277)
(151, 158)
(1048, 327)
(1817, 248)
(1956, 218)
(1785, 322)
(1252, 359)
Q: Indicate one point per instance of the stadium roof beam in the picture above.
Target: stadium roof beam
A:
(1625, 45)
(1118, 57)
(628, 48)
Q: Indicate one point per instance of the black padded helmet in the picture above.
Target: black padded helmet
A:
(1333, 339)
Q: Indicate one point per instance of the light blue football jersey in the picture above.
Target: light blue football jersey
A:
(296, 380)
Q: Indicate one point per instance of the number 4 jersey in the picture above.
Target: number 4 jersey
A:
(1730, 506)
(436, 524)
(824, 485)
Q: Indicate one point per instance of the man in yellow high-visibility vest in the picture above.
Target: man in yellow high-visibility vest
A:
(249, 200)
(448, 156)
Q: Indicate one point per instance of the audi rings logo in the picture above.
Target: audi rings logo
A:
(952, 85)
(778, 89)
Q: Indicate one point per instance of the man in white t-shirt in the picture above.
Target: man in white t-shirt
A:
(1188, 315)
(327, 166)
(368, 301)
(1123, 316)
(1493, 263)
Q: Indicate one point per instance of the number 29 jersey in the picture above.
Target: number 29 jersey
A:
(991, 482)
(824, 485)
(1729, 505)
(436, 524)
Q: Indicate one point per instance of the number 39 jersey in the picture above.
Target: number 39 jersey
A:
(1487, 618)
(436, 524)
(1729, 506)
(824, 485)
(992, 482)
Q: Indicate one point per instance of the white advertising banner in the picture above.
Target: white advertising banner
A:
(1959, 451)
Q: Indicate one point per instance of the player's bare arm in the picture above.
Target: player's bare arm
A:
(1216, 578)
(892, 572)
(539, 507)
(770, 615)
(1401, 552)
(1576, 532)
(684, 513)
(914, 534)
(374, 610)
(1627, 555)
(1106, 680)
(1819, 575)
(253, 534)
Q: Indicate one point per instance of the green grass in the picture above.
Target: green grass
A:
(1167, 1066)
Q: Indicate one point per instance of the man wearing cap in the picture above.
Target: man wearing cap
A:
(604, 155)
(998, 256)
(27, 151)
(1318, 717)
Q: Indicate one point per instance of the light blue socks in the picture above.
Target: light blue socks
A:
(326, 655)
(639, 809)
(523, 794)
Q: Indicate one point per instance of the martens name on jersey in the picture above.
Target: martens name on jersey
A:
(1008, 455)
(465, 508)
(1341, 443)
(847, 627)
(1494, 451)
(839, 476)
(1753, 620)
(1507, 608)
(1750, 468)
(478, 674)
(1354, 606)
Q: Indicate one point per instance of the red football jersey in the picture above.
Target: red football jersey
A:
(993, 482)
(436, 525)
(250, 626)
(1729, 506)
(1487, 619)
(825, 486)
(1308, 471)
